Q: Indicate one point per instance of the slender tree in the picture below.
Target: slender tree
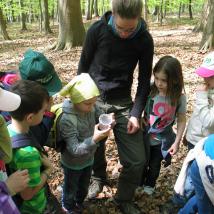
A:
(45, 13)
(71, 29)
(23, 16)
(190, 9)
(96, 13)
(3, 26)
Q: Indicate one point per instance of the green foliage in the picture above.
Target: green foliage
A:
(173, 5)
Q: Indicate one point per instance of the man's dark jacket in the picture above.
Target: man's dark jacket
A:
(111, 61)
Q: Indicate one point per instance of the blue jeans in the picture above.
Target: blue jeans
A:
(189, 191)
(200, 202)
(75, 186)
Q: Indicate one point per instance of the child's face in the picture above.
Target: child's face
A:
(86, 106)
(161, 82)
(36, 118)
(209, 82)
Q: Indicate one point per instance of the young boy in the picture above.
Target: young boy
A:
(18, 180)
(81, 135)
(30, 113)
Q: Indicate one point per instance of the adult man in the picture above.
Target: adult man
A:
(113, 47)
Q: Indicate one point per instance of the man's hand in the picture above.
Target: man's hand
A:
(133, 125)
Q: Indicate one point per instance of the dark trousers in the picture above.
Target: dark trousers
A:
(75, 186)
(131, 151)
(152, 171)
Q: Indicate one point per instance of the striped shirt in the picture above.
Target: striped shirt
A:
(29, 158)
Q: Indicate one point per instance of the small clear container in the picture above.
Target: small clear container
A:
(104, 121)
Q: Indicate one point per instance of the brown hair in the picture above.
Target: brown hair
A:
(129, 9)
(173, 70)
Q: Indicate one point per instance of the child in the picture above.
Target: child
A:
(18, 180)
(200, 125)
(81, 138)
(201, 162)
(33, 105)
(36, 67)
(165, 104)
(203, 114)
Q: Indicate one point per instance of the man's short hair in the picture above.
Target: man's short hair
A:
(33, 96)
(128, 9)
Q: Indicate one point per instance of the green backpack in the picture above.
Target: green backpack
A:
(55, 141)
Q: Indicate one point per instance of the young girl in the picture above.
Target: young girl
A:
(165, 104)
(81, 135)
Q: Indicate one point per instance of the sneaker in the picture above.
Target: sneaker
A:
(94, 189)
(128, 207)
(149, 190)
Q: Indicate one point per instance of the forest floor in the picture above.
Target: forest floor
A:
(175, 38)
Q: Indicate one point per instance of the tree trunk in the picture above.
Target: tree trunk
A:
(96, 13)
(190, 9)
(3, 26)
(88, 10)
(203, 20)
(45, 13)
(166, 3)
(71, 29)
(41, 16)
(145, 15)
(207, 41)
(161, 13)
(179, 10)
(23, 16)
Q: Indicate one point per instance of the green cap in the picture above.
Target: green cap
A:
(80, 88)
(36, 67)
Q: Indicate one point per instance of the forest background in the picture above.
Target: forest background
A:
(181, 28)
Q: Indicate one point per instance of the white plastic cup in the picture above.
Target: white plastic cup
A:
(104, 121)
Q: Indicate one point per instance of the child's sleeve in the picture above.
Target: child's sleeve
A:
(29, 158)
(69, 133)
(205, 113)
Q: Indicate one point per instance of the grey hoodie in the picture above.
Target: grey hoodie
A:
(80, 148)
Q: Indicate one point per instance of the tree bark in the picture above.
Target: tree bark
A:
(145, 15)
(71, 29)
(23, 16)
(203, 20)
(207, 41)
(96, 13)
(47, 28)
(41, 16)
(88, 9)
(3, 26)
(190, 9)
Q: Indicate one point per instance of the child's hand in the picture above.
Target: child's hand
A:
(46, 163)
(173, 149)
(17, 181)
(100, 134)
